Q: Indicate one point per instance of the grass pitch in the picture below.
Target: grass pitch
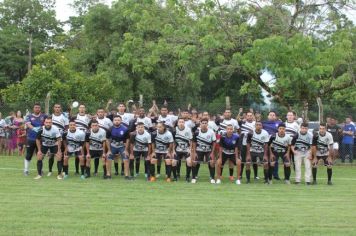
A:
(118, 207)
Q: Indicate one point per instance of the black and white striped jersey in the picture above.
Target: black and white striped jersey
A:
(168, 120)
(126, 118)
(182, 139)
(60, 122)
(82, 122)
(246, 128)
(257, 141)
(139, 141)
(292, 128)
(302, 142)
(162, 141)
(223, 124)
(147, 122)
(105, 123)
(204, 140)
(96, 139)
(74, 140)
(49, 137)
(322, 143)
(280, 144)
(190, 124)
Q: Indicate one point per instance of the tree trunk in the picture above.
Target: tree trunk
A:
(305, 111)
(321, 110)
(29, 65)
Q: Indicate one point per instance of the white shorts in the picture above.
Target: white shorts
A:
(336, 146)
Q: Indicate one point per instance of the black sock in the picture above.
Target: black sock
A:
(221, 170)
(152, 169)
(39, 167)
(212, 172)
(82, 168)
(59, 167)
(76, 165)
(255, 168)
(231, 171)
(137, 165)
(131, 167)
(194, 172)
(104, 169)
(96, 165)
(88, 171)
(248, 174)
(50, 163)
(147, 167)
(179, 164)
(197, 170)
(189, 169)
(65, 169)
(265, 172)
(287, 172)
(270, 172)
(174, 170)
(116, 166)
(169, 170)
(122, 167)
(330, 173)
(159, 169)
(242, 169)
(314, 171)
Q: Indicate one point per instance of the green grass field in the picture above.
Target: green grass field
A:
(118, 207)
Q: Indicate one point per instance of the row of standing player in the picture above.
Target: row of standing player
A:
(106, 139)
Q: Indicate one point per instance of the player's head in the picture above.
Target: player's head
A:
(161, 127)
(258, 125)
(140, 127)
(290, 116)
(185, 114)
(81, 109)
(57, 108)
(164, 111)
(100, 113)
(117, 120)
(332, 120)
(48, 123)
(94, 126)
(72, 126)
(322, 129)
(281, 129)
(272, 116)
(204, 124)
(304, 128)
(348, 119)
(205, 115)
(229, 129)
(181, 123)
(227, 114)
(37, 108)
(141, 112)
(249, 116)
(121, 107)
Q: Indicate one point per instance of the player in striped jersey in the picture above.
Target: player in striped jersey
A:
(94, 141)
(257, 150)
(167, 119)
(322, 148)
(280, 146)
(187, 120)
(162, 148)
(140, 146)
(104, 122)
(142, 118)
(73, 140)
(229, 151)
(48, 140)
(292, 129)
(183, 139)
(301, 147)
(203, 149)
(247, 127)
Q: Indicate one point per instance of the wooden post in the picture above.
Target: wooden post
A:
(140, 102)
(321, 111)
(227, 102)
(48, 97)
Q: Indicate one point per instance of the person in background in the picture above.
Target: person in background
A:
(336, 132)
(11, 129)
(347, 140)
(21, 139)
(3, 126)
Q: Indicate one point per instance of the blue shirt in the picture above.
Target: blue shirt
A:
(118, 135)
(37, 122)
(348, 139)
(271, 126)
(229, 143)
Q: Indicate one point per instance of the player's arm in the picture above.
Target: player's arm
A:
(38, 143)
(248, 145)
(313, 148)
(87, 146)
(270, 147)
(132, 141)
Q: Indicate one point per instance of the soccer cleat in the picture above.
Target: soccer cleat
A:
(218, 181)
(175, 179)
(116, 173)
(122, 173)
(193, 181)
(238, 182)
(287, 182)
(127, 178)
(231, 178)
(136, 175)
(168, 180)
(308, 183)
(257, 178)
(158, 175)
(330, 183)
(95, 174)
(314, 182)
(38, 177)
(108, 177)
(270, 181)
(248, 181)
(187, 179)
(212, 181)
(49, 174)
(152, 179)
(146, 176)
(266, 182)
(82, 177)
(26, 173)
(276, 178)
(59, 177)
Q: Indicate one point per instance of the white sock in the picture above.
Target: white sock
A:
(27, 164)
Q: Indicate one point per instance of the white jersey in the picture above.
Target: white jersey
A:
(74, 140)
(212, 125)
(126, 118)
(292, 128)
(162, 141)
(322, 143)
(182, 139)
(105, 123)
(96, 140)
(147, 122)
(168, 120)
(246, 127)
(258, 141)
(82, 122)
(224, 123)
(140, 142)
(280, 144)
(189, 123)
(303, 142)
(60, 122)
(2, 127)
(49, 137)
(204, 140)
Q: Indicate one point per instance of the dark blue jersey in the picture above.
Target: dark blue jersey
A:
(271, 126)
(229, 144)
(118, 135)
(37, 122)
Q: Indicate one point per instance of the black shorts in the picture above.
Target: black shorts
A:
(52, 149)
(257, 158)
(202, 157)
(76, 154)
(181, 155)
(160, 156)
(243, 153)
(139, 154)
(278, 155)
(95, 154)
(230, 157)
(325, 160)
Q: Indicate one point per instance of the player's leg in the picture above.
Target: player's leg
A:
(168, 163)
(329, 168)
(82, 160)
(40, 163)
(137, 158)
(220, 165)
(298, 158)
(58, 156)
(307, 169)
(247, 161)
(159, 164)
(30, 149)
(65, 164)
(50, 163)
(189, 164)
(93, 155)
(243, 158)
(287, 169)
(238, 170)
(196, 165)
(273, 162)
(153, 162)
(315, 169)
(211, 165)
(265, 168)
